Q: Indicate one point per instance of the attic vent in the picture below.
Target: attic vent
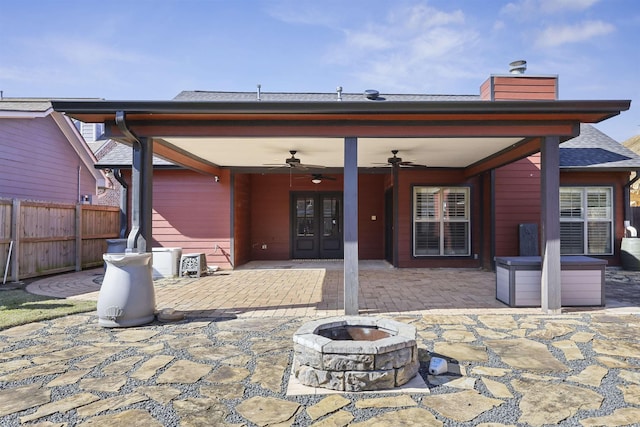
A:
(518, 67)
(371, 94)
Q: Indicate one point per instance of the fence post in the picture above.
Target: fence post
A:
(78, 237)
(15, 235)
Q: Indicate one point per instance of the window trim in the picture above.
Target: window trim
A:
(441, 222)
(585, 220)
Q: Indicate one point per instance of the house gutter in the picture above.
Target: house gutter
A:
(100, 108)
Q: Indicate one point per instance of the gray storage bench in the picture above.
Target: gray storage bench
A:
(582, 281)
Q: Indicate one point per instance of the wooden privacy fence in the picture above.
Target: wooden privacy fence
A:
(47, 238)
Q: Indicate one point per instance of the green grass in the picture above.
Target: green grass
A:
(18, 307)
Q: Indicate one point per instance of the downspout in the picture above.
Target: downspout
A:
(139, 239)
(627, 197)
(79, 178)
(124, 200)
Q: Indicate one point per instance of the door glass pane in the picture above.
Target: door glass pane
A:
(330, 216)
(304, 217)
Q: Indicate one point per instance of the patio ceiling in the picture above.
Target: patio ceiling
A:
(474, 135)
(328, 152)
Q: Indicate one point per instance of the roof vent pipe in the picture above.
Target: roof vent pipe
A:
(339, 90)
(518, 67)
(258, 93)
(371, 94)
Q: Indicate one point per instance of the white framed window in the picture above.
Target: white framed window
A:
(586, 221)
(441, 223)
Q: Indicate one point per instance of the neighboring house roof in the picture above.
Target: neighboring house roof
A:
(30, 108)
(593, 149)
(633, 144)
(24, 107)
(121, 156)
(198, 95)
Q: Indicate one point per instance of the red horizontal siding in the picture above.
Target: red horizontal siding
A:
(520, 87)
(242, 219)
(485, 90)
(617, 180)
(371, 204)
(270, 213)
(407, 180)
(517, 201)
(192, 211)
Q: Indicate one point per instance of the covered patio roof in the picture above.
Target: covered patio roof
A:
(473, 135)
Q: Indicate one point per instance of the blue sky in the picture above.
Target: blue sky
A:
(153, 49)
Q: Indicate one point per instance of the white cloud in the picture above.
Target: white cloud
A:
(499, 25)
(559, 35)
(551, 6)
(415, 48)
(528, 9)
(369, 40)
(422, 16)
(304, 12)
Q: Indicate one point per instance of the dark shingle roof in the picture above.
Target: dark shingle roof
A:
(198, 95)
(593, 149)
(121, 155)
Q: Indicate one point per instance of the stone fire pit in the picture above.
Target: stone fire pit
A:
(355, 353)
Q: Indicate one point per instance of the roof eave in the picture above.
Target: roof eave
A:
(78, 109)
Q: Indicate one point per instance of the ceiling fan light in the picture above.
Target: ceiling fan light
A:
(316, 180)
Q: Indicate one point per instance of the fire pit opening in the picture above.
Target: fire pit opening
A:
(355, 353)
(354, 333)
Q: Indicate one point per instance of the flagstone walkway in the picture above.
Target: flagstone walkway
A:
(573, 369)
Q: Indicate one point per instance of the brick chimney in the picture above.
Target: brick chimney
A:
(518, 86)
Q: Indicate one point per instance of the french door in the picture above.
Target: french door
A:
(316, 225)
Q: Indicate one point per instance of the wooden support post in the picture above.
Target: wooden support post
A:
(395, 168)
(16, 230)
(351, 284)
(78, 237)
(550, 285)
